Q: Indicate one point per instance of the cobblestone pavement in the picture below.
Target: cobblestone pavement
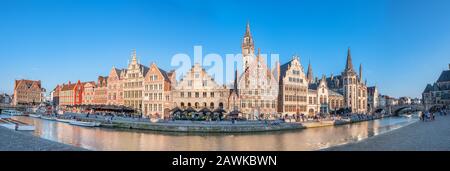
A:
(419, 136)
(21, 141)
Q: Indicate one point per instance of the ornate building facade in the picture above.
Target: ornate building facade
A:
(258, 90)
(115, 87)
(101, 91)
(198, 90)
(71, 94)
(27, 92)
(301, 94)
(293, 85)
(438, 93)
(88, 93)
(133, 83)
(351, 86)
(157, 92)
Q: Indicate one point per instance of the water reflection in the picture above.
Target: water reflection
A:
(307, 139)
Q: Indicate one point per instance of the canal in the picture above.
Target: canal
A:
(139, 140)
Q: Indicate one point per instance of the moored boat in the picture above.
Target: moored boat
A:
(63, 120)
(34, 115)
(12, 112)
(48, 118)
(86, 124)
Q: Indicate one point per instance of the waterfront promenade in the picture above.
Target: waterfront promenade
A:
(22, 141)
(419, 136)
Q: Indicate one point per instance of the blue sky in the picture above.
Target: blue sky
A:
(402, 44)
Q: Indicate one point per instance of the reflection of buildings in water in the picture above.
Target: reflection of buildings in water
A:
(113, 139)
(52, 130)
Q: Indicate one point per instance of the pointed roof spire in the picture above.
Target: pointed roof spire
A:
(349, 65)
(133, 55)
(360, 72)
(247, 30)
(309, 74)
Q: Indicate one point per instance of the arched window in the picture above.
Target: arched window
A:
(221, 105)
(197, 105)
(211, 105)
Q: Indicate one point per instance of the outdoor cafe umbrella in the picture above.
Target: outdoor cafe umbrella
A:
(176, 110)
(219, 110)
(233, 114)
(205, 110)
(190, 109)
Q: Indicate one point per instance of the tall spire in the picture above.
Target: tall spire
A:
(133, 55)
(309, 74)
(360, 72)
(247, 30)
(349, 65)
(248, 48)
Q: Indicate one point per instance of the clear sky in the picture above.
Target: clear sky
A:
(402, 44)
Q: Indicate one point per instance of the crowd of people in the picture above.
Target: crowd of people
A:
(327, 117)
(430, 116)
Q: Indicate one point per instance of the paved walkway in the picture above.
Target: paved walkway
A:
(21, 141)
(419, 136)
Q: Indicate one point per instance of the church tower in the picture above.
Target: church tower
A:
(349, 78)
(309, 74)
(248, 48)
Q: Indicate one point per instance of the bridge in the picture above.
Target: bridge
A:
(401, 109)
(11, 107)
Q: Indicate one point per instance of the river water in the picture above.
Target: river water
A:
(136, 140)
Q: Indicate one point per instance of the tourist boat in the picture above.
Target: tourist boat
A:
(34, 115)
(12, 112)
(64, 120)
(48, 118)
(86, 124)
